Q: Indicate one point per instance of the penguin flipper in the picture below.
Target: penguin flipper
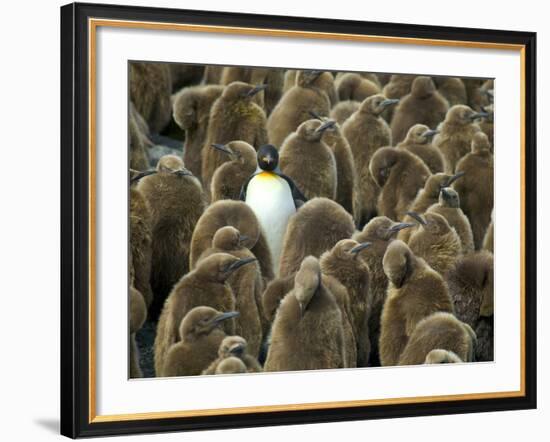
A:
(242, 194)
(296, 193)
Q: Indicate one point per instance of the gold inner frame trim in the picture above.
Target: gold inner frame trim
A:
(93, 24)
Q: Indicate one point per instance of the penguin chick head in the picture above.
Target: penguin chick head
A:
(232, 346)
(420, 134)
(239, 151)
(433, 224)
(422, 87)
(312, 130)
(238, 91)
(462, 115)
(307, 281)
(398, 263)
(185, 108)
(229, 238)
(349, 249)
(201, 321)
(382, 163)
(268, 157)
(480, 143)
(438, 181)
(440, 356)
(231, 365)
(307, 78)
(343, 258)
(172, 164)
(448, 197)
(376, 104)
(220, 266)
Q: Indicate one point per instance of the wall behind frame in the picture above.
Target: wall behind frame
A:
(29, 227)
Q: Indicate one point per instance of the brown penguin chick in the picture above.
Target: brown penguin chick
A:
(289, 80)
(247, 286)
(449, 207)
(435, 241)
(307, 332)
(234, 346)
(212, 74)
(366, 132)
(488, 242)
(206, 285)
(399, 175)
(141, 237)
(342, 263)
(415, 291)
(379, 232)
(456, 133)
(477, 190)
(150, 91)
(424, 105)
(231, 365)
(138, 314)
(237, 214)
(343, 110)
(315, 228)
(234, 116)
(200, 334)
(419, 142)
(452, 89)
(308, 161)
(183, 75)
(439, 330)
(274, 293)
(485, 338)
(397, 87)
(440, 356)
(475, 97)
(191, 111)
(229, 178)
(487, 124)
(295, 105)
(352, 86)
(177, 201)
(139, 140)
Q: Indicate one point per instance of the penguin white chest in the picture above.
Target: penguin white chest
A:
(270, 198)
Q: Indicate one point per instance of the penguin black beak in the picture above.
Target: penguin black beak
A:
(400, 226)
(455, 177)
(326, 125)
(238, 264)
(224, 317)
(477, 115)
(355, 251)
(389, 102)
(243, 239)
(429, 134)
(315, 74)
(222, 148)
(237, 349)
(256, 89)
(315, 115)
(417, 217)
(182, 172)
(141, 175)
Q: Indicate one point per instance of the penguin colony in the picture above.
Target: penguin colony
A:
(307, 220)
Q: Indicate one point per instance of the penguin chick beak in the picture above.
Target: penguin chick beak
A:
(222, 148)
(315, 115)
(355, 251)
(223, 317)
(243, 239)
(256, 89)
(238, 264)
(182, 172)
(429, 134)
(400, 226)
(329, 124)
(141, 175)
(237, 350)
(455, 177)
(389, 102)
(477, 115)
(417, 217)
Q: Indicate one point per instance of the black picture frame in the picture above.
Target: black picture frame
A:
(75, 194)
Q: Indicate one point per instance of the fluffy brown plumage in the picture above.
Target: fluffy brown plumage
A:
(191, 111)
(452, 89)
(233, 347)
(477, 188)
(139, 140)
(439, 330)
(315, 228)
(399, 175)
(177, 201)
(343, 110)
(440, 356)
(424, 105)
(352, 86)
(307, 332)
(415, 291)
(212, 74)
(229, 178)
(185, 74)
(397, 87)
(419, 142)
(366, 132)
(138, 314)
(308, 161)
(488, 241)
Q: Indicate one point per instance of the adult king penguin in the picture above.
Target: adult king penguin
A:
(273, 197)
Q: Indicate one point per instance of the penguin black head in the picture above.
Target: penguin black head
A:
(268, 157)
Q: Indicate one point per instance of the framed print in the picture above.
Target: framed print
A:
(274, 220)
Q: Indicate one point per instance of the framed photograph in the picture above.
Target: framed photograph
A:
(274, 220)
